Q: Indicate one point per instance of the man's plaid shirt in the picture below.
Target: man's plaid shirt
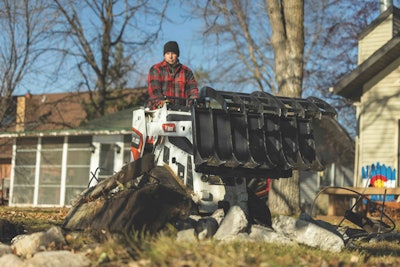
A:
(163, 80)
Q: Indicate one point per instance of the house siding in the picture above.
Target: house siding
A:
(375, 39)
(379, 113)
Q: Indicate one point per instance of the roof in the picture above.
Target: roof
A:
(61, 111)
(116, 123)
(351, 86)
(61, 114)
(121, 120)
(383, 16)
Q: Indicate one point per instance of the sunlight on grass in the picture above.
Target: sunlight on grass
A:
(166, 251)
(105, 249)
(34, 219)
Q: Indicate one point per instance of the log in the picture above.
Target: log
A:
(160, 201)
(129, 172)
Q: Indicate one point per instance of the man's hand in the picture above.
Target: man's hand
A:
(160, 104)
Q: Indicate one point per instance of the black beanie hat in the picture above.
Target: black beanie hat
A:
(171, 46)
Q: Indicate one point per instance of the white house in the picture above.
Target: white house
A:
(374, 86)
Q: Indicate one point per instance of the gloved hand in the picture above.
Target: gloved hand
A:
(159, 104)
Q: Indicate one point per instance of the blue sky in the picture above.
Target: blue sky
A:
(195, 52)
(183, 30)
(186, 32)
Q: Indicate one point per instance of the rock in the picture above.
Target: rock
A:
(11, 260)
(28, 245)
(234, 223)
(5, 249)
(57, 258)
(206, 227)
(324, 224)
(55, 234)
(239, 237)
(218, 215)
(265, 234)
(202, 227)
(187, 235)
(308, 233)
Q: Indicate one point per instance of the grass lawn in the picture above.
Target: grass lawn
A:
(163, 250)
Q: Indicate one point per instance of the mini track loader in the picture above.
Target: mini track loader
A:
(197, 159)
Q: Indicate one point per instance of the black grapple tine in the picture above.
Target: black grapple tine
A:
(203, 136)
(258, 142)
(273, 110)
(275, 142)
(240, 140)
(255, 135)
(306, 142)
(290, 145)
(250, 138)
(290, 132)
(324, 108)
(241, 131)
(223, 137)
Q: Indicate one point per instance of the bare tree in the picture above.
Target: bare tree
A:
(243, 24)
(286, 18)
(332, 29)
(240, 31)
(94, 30)
(242, 48)
(272, 46)
(24, 41)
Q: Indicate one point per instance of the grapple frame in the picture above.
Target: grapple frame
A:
(255, 135)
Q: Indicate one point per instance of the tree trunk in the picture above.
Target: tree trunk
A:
(284, 195)
(287, 18)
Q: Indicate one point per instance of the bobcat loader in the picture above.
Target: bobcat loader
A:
(203, 157)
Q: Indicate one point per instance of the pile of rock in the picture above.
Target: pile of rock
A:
(40, 249)
(285, 230)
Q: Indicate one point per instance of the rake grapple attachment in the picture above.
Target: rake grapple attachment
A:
(197, 159)
(256, 134)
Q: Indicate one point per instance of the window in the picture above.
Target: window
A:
(50, 170)
(106, 161)
(24, 171)
(78, 166)
(127, 148)
(61, 174)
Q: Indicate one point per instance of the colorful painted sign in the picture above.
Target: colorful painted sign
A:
(380, 176)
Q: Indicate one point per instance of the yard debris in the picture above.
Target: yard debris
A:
(150, 199)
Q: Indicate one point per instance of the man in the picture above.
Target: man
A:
(170, 79)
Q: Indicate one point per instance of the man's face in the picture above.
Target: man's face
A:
(170, 57)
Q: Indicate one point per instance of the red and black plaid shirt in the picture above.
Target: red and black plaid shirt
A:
(165, 81)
